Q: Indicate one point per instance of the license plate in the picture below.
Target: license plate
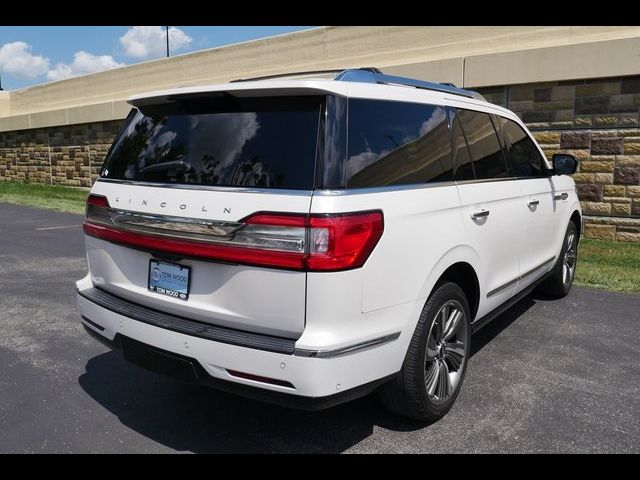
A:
(169, 279)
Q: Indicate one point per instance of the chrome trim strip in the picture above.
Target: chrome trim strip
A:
(389, 188)
(486, 180)
(497, 290)
(519, 277)
(171, 225)
(302, 352)
(272, 191)
(187, 228)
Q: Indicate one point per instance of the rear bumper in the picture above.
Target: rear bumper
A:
(300, 381)
(189, 370)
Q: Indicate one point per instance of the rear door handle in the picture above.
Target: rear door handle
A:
(562, 196)
(480, 214)
(533, 203)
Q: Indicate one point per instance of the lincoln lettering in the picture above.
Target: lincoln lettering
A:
(181, 206)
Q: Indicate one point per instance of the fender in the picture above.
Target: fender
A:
(457, 254)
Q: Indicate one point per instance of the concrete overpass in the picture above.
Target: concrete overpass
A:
(578, 88)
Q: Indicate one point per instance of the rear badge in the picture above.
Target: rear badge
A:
(169, 279)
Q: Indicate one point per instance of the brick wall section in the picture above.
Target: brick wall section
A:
(597, 121)
(69, 155)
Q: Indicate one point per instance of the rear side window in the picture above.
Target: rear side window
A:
(395, 143)
(523, 156)
(223, 141)
(486, 152)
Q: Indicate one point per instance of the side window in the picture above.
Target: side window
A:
(395, 143)
(522, 155)
(462, 164)
(486, 152)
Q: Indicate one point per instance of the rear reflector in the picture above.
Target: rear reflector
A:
(314, 242)
(258, 378)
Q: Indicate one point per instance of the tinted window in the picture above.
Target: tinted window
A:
(393, 143)
(487, 155)
(461, 160)
(523, 156)
(269, 143)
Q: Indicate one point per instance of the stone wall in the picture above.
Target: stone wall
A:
(69, 155)
(597, 121)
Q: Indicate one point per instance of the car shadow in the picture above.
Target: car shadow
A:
(486, 334)
(198, 419)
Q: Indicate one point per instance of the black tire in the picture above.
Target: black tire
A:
(556, 285)
(407, 394)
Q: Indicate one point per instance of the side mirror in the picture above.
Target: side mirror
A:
(564, 164)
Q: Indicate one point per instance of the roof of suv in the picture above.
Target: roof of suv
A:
(359, 83)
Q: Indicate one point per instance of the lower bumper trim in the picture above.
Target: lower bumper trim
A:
(190, 370)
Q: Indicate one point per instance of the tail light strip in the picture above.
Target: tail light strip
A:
(314, 242)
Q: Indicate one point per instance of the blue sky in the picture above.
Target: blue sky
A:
(34, 55)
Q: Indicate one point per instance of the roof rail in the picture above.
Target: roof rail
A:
(369, 76)
(374, 75)
(307, 72)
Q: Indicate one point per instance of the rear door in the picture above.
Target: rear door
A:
(186, 178)
(489, 205)
(537, 206)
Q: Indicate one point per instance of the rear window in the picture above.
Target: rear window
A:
(221, 141)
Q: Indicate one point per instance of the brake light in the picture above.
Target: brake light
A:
(97, 201)
(339, 242)
(290, 241)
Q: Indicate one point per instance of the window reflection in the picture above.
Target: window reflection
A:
(270, 147)
(394, 143)
(485, 149)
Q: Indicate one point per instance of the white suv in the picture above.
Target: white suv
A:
(307, 239)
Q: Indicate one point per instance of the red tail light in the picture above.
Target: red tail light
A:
(279, 240)
(97, 201)
(339, 242)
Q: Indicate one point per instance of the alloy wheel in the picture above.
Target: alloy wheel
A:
(570, 257)
(446, 351)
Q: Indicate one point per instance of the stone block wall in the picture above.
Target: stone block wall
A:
(597, 121)
(70, 155)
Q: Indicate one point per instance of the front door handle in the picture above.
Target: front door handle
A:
(534, 203)
(562, 196)
(480, 214)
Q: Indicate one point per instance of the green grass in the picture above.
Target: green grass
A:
(56, 197)
(609, 265)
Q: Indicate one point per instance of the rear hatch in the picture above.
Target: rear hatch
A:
(192, 213)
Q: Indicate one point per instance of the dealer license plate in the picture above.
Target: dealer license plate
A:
(169, 279)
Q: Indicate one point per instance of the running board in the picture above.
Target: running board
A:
(478, 324)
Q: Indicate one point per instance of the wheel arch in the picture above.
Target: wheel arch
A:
(576, 218)
(461, 266)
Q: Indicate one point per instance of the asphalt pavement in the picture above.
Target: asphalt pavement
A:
(547, 376)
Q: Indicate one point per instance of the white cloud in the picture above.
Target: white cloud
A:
(437, 117)
(147, 42)
(16, 59)
(83, 63)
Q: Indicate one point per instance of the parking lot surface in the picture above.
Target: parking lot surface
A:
(547, 376)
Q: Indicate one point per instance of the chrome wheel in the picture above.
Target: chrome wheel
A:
(570, 257)
(446, 347)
